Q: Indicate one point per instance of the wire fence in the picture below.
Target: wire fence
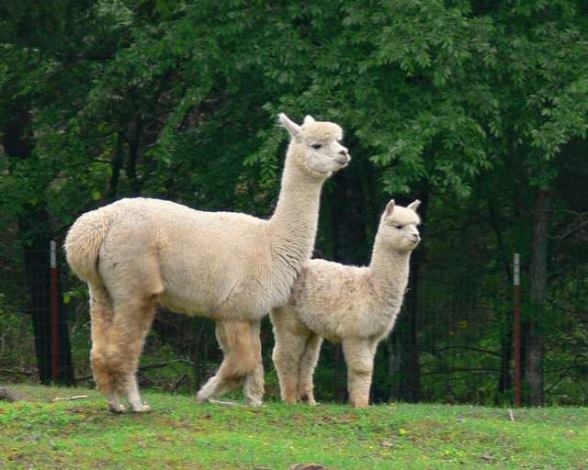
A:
(454, 341)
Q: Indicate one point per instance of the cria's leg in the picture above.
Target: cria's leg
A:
(359, 356)
(291, 338)
(308, 364)
(240, 359)
(126, 338)
(101, 315)
(254, 382)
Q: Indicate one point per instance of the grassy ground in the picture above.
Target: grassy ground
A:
(39, 433)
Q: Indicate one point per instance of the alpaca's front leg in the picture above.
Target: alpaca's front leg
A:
(239, 341)
(287, 366)
(308, 364)
(290, 342)
(222, 382)
(359, 356)
(253, 388)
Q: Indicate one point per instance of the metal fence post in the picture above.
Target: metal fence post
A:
(54, 312)
(517, 327)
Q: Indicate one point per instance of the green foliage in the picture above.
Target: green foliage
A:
(432, 92)
(16, 345)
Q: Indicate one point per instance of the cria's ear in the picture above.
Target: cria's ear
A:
(414, 205)
(291, 126)
(308, 119)
(389, 208)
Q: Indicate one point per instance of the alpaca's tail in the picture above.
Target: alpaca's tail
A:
(83, 241)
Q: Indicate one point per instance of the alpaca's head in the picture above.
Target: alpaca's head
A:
(321, 151)
(398, 226)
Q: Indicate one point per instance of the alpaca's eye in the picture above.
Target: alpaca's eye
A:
(316, 146)
(398, 226)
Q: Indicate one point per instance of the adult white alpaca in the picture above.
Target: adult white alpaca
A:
(356, 306)
(233, 268)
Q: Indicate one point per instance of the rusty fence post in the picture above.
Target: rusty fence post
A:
(517, 327)
(54, 292)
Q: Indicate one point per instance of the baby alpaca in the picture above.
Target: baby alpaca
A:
(357, 306)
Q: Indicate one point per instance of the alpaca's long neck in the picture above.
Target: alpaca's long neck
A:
(390, 269)
(294, 222)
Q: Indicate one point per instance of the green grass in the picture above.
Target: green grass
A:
(38, 433)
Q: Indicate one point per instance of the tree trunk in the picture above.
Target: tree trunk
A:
(134, 145)
(506, 352)
(35, 232)
(117, 162)
(533, 326)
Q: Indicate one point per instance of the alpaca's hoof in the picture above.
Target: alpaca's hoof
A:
(255, 403)
(116, 409)
(200, 400)
(144, 408)
(309, 400)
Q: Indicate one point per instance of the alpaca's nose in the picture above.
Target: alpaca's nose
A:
(343, 158)
(415, 238)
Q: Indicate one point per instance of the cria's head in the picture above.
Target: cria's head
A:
(398, 226)
(323, 153)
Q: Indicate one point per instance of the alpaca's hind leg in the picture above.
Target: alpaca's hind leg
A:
(101, 315)
(239, 359)
(254, 382)
(307, 365)
(125, 344)
(291, 337)
(134, 396)
(359, 356)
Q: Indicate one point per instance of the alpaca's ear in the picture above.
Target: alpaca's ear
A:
(414, 205)
(308, 119)
(291, 126)
(389, 208)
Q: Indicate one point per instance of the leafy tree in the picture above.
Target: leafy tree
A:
(475, 107)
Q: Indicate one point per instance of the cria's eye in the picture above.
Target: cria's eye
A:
(316, 146)
(398, 226)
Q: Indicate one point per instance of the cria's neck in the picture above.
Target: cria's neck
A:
(389, 268)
